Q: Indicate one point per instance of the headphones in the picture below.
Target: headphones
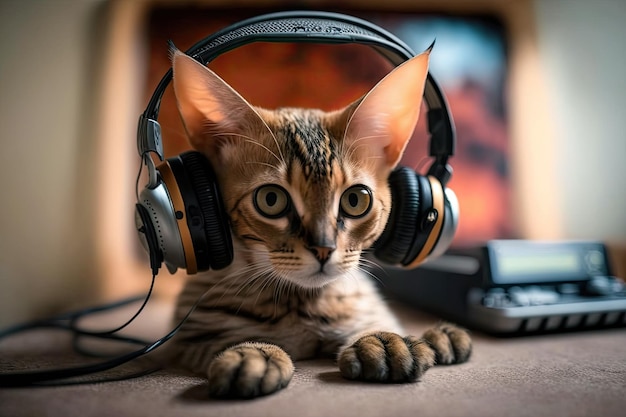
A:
(179, 214)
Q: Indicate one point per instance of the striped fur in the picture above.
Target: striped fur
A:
(297, 287)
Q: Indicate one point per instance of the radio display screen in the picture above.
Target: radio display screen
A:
(534, 263)
(517, 262)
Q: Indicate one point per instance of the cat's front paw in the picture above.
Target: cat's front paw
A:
(386, 357)
(249, 370)
(450, 343)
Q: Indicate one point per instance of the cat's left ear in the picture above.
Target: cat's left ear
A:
(385, 118)
(209, 107)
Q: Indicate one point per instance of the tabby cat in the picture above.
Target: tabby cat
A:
(306, 192)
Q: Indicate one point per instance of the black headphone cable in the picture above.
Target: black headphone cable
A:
(54, 377)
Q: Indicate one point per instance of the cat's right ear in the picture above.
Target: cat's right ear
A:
(208, 106)
(382, 122)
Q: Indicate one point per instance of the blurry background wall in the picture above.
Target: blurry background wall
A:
(64, 61)
(47, 85)
(584, 61)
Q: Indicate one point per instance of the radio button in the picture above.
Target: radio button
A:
(618, 285)
(496, 298)
(539, 296)
(600, 285)
(594, 260)
(519, 296)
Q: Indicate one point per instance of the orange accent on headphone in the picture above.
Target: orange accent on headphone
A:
(439, 206)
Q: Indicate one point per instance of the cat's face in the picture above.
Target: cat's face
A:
(306, 191)
(302, 201)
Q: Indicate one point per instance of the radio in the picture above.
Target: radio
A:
(517, 287)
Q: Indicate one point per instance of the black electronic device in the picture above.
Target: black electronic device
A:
(517, 287)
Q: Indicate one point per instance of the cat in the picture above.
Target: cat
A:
(306, 193)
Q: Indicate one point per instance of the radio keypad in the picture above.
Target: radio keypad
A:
(534, 295)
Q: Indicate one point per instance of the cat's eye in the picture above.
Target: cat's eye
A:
(356, 201)
(271, 201)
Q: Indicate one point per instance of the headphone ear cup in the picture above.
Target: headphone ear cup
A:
(214, 219)
(399, 234)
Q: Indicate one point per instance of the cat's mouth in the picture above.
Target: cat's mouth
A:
(304, 269)
(318, 274)
(317, 278)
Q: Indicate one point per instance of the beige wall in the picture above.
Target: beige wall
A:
(584, 59)
(46, 247)
(60, 232)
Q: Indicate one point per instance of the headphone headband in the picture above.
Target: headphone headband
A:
(314, 27)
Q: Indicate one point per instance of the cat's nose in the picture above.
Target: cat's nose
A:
(322, 253)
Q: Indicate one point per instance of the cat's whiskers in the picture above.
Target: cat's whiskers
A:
(313, 292)
(260, 279)
(366, 271)
(360, 138)
(262, 285)
(372, 263)
(358, 143)
(282, 157)
(264, 278)
(263, 164)
(278, 284)
(366, 257)
(265, 271)
(369, 263)
(258, 283)
(278, 292)
(289, 286)
(234, 278)
(365, 265)
(250, 140)
(248, 284)
(260, 271)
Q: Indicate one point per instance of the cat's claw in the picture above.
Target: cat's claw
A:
(386, 357)
(249, 370)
